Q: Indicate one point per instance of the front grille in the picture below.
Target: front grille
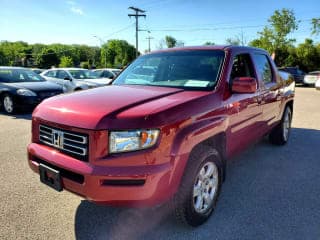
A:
(71, 143)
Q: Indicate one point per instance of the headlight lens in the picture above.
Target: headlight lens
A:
(26, 92)
(126, 141)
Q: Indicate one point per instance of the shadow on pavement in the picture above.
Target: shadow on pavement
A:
(26, 116)
(270, 193)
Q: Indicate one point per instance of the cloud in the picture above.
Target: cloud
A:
(77, 10)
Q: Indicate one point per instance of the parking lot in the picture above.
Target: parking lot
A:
(270, 193)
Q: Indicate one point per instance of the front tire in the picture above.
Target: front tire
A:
(200, 186)
(8, 104)
(280, 134)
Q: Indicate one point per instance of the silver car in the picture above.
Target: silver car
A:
(107, 73)
(311, 78)
(73, 79)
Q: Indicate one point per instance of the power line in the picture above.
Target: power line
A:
(120, 30)
(137, 14)
(203, 29)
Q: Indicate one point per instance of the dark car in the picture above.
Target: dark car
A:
(22, 89)
(297, 74)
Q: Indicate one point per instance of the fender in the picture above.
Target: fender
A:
(288, 96)
(81, 85)
(188, 138)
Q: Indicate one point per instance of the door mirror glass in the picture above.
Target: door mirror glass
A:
(244, 85)
(67, 79)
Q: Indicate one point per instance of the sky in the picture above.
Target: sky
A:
(193, 22)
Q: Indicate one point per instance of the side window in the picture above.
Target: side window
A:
(51, 74)
(108, 74)
(263, 67)
(62, 74)
(242, 66)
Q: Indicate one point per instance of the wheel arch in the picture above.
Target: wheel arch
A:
(218, 142)
(2, 93)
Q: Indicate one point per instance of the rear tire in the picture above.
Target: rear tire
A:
(280, 134)
(200, 186)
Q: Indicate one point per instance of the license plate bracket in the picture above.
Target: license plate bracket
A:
(50, 177)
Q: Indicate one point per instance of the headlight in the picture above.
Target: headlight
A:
(26, 92)
(126, 141)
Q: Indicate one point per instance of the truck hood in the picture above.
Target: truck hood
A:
(86, 109)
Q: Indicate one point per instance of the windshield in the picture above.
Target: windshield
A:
(12, 75)
(99, 73)
(190, 70)
(83, 74)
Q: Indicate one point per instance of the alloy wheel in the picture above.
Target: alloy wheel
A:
(8, 104)
(205, 187)
(286, 125)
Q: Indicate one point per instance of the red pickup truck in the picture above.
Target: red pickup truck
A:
(163, 131)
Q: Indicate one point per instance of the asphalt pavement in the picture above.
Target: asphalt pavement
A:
(270, 193)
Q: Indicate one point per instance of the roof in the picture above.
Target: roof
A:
(206, 47)
(10, 67)
(66, 69)
(109, 69)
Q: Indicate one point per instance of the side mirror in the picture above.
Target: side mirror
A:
(67, 79)
(244, 85)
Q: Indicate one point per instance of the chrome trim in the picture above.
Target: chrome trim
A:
(57, 138)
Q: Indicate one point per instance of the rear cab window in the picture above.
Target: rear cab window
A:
(263, 67)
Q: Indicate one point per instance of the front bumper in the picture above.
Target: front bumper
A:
(27, 102)
(145, 185)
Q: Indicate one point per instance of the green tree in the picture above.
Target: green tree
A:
(233, 41)
(3, 60)
(274, 38)
(47, 58)
(117, 53)
(170, 41)
(315, 22)
(308, 56)
(209, 43)
(66, 61)
(16, 53)
(85, 65)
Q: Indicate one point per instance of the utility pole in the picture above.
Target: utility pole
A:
(101, 44)
(149, 38)
(137, 14)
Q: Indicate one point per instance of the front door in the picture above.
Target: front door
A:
(244, 110)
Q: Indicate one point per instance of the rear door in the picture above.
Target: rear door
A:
(270, 89)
